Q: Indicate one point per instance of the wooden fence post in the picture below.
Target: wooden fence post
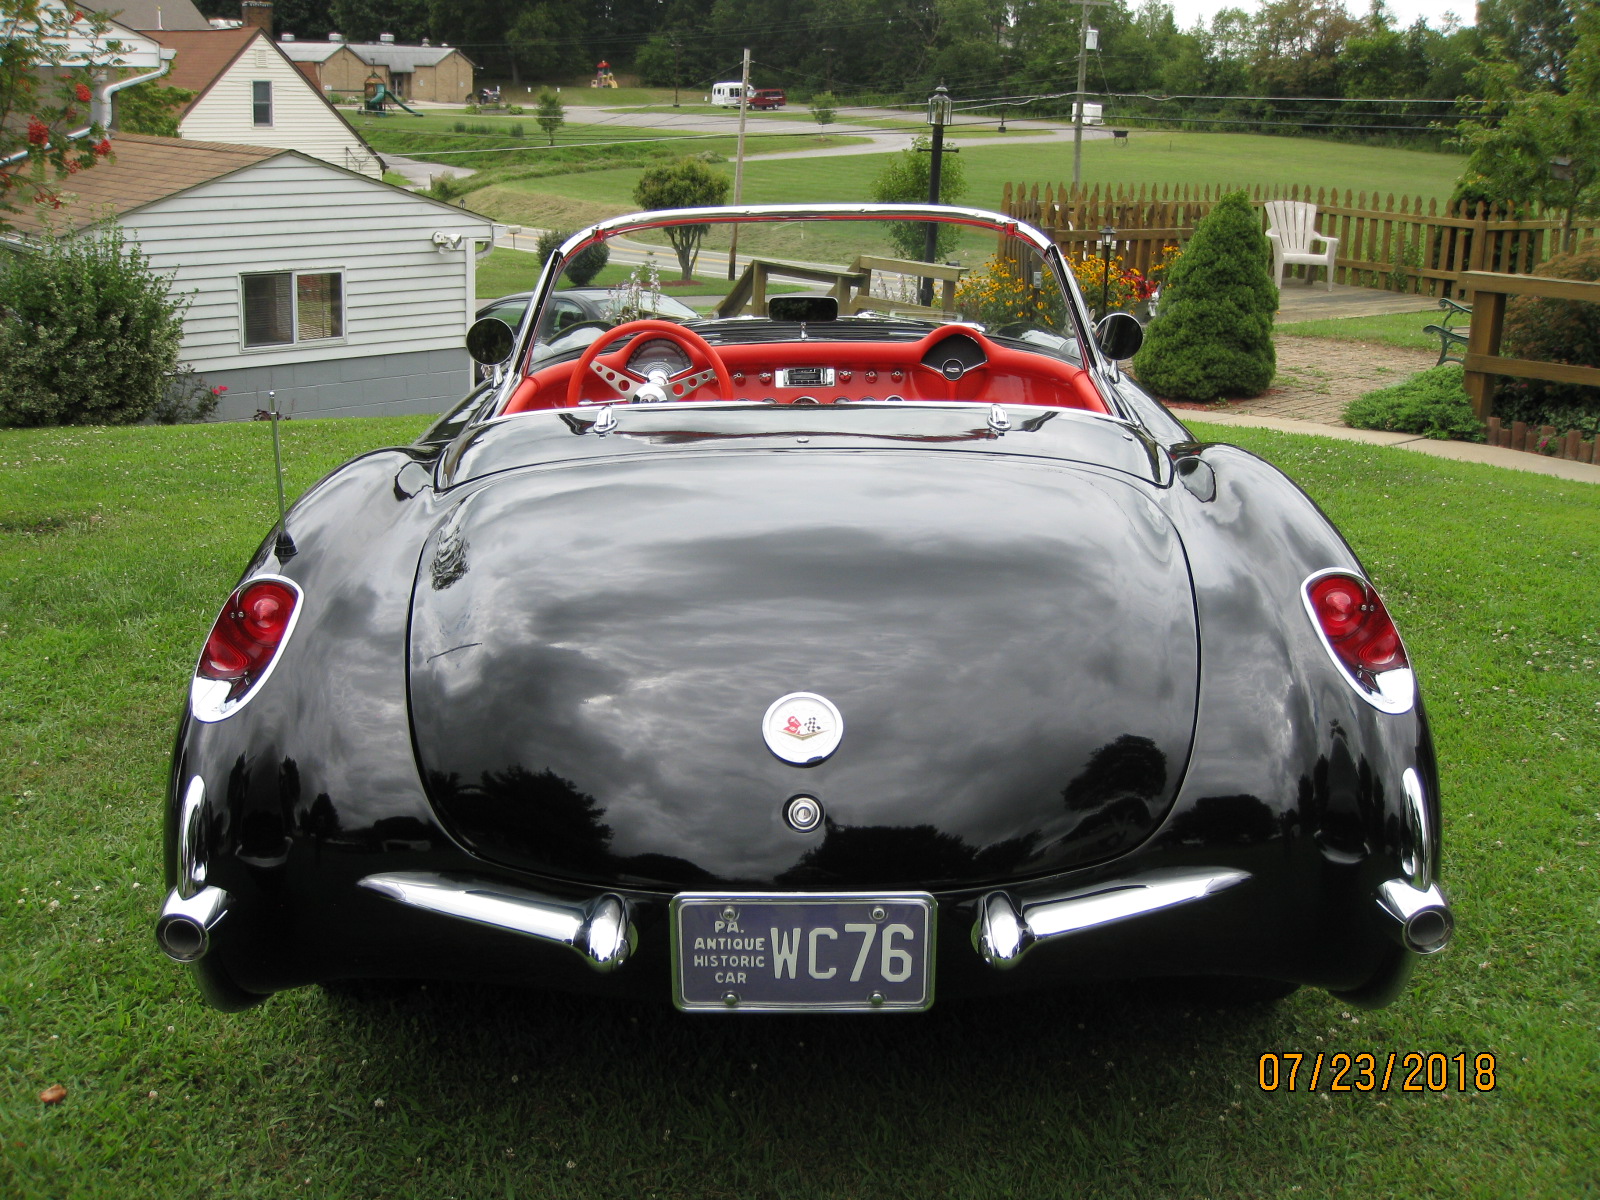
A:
(1488, 321)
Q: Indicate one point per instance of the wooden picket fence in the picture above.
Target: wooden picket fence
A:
(1411, 246)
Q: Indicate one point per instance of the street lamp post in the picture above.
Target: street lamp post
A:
(1108, 237)
(938, 116)
(1561, 171)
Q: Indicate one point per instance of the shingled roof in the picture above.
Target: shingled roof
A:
(203, 55)
(143, 170)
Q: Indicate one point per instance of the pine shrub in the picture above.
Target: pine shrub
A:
(1213, 336)
(88, 332)
(1433, 403)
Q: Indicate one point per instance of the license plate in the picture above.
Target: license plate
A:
(803, 952)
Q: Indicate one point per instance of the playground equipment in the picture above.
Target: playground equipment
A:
(603, 78)
(377, 96)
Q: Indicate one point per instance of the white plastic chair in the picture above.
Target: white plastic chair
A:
(1292, 230)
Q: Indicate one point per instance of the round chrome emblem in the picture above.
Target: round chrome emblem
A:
(802, 728)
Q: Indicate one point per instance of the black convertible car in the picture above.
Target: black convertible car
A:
(822, 653)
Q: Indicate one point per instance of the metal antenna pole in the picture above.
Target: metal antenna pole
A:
(285, 544)
(738, 164)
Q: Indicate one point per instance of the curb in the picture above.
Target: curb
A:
(1494, 456)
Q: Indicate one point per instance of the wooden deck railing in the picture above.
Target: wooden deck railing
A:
(1483, 361)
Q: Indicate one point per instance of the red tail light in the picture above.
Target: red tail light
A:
(247, 636)
(1358, 632)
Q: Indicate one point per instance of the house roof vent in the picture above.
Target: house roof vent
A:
(426, 42)
(286, 37)
(336, 37)
(386, 39)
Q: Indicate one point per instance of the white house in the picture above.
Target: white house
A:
(344, 295)
(248, 93)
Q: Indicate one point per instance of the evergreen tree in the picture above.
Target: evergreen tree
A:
(1213, 336)
(551, 116)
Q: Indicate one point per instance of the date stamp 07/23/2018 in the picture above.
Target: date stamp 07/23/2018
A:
(1390, 1071)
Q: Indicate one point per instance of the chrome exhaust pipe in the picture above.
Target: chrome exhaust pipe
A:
(1423, 923)
(183, 930)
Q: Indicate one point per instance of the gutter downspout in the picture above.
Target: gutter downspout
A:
(100, 109)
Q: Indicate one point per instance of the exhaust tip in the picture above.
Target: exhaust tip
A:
(182, 939)
(183, 930)
(1423, 923)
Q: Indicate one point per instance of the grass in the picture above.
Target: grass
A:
(116, 546)
(566, 198)
(1388, 329)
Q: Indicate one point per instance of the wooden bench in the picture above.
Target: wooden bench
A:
(1452, 342)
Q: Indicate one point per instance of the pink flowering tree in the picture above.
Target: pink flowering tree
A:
(49, 53)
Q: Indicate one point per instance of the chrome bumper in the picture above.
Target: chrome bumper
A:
(600, 929)
(1005, 931)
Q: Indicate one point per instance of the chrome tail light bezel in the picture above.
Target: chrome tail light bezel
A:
(213, 700)
(1393, 691)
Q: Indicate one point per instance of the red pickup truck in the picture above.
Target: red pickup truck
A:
(768, 98)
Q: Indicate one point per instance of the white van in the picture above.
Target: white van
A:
(1093, 114)
(727, 94)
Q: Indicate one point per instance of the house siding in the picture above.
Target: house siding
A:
(407, 304)
(300, 119)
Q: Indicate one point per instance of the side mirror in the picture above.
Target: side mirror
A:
(491, 341)
(1119, 335)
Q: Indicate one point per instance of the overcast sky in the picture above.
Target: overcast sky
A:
(1405, 12)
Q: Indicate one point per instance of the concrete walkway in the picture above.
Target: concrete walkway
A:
(1494, 456)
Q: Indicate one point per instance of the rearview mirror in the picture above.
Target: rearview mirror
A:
(1119, 335)
(490, 341)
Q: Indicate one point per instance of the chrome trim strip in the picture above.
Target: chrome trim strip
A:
(1423, 919)
(208, 698)
(1003, 934)
(601, 930)
(183, 930)
(1397, 689)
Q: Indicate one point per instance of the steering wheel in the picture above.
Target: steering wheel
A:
(624, 383)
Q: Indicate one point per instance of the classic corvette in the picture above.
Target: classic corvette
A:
(869, 636)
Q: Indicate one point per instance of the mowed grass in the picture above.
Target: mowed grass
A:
(1387, 329)
(1216, 159)
(118, 545)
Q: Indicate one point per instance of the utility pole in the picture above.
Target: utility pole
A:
(1083, 75)
(674, 72)
(738, 164)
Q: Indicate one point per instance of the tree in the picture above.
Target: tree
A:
(91, 333)
(47, 56)
(687, 183)
(1538, 147)
(1214, 334)
(904, 180)
(822, 108)
(550, 115)
(151, 108)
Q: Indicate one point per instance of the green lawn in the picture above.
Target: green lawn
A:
(1149, 158)
(117, 545)
(1389, 329)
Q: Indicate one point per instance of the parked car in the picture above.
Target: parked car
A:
(768, 98)
(829, 653)
(727, 95)
(575, 316)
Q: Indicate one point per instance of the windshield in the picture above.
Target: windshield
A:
(825, 307)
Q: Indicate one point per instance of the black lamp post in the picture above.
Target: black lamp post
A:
(938, 116)
(1561, 171)
(1108, 237)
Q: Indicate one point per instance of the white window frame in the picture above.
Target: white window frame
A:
(294, 275)
(255, 104)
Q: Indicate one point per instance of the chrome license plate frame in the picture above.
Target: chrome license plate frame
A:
(793, 952)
